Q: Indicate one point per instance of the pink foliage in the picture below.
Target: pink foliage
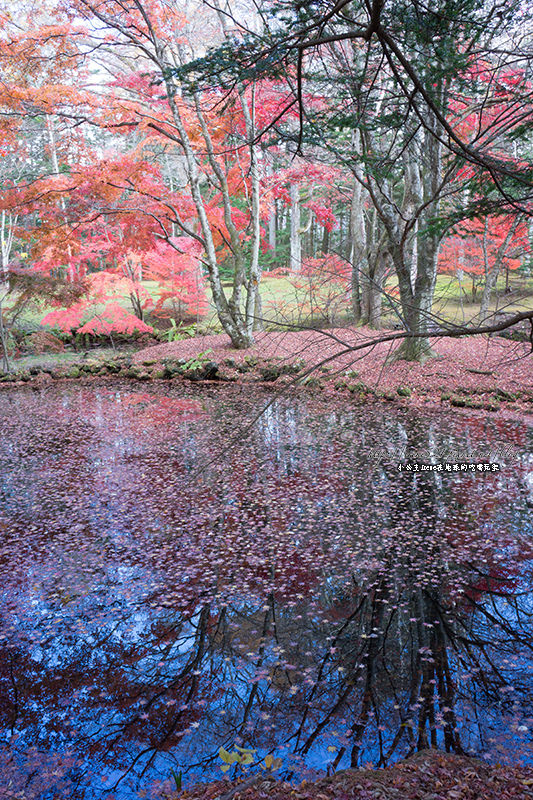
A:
(115, 319)
(66, 319)
(104, 288)
(176, 268)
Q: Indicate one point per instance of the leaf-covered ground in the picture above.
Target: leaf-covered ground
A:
(472, 363)
(429, 775)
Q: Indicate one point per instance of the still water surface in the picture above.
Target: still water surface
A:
(164, 595)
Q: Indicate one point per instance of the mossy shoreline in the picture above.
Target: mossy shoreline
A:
(269, 371)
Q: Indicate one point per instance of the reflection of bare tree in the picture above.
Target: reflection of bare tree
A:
(293, 600)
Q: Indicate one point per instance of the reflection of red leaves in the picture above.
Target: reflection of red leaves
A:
(286, 518)
(149, 409)
(32, 773)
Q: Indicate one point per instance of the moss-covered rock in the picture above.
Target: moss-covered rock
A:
(174, 367)
(269, 373)
(504, 395)
(359, 388)
(404, 391)
(114, 366)
(474, 402)
(456, 400)
(98, 368)
(293, 368)
(312, 381)
(42, 379)
(227, 374)
(202, 372)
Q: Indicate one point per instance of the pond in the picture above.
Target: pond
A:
(181, 573)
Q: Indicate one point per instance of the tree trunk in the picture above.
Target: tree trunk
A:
(295, 258)
(8, 222)
(357, 256)
(228, 311)
(375, 289)
(272, 226)
(422, 193)
(492, 271)
(4, 289)
(325, 242)
(253, 319)
(71, 272)
(418, 312)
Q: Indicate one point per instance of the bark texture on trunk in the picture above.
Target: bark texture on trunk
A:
(358, 243)
(295, 251)
(418, 274)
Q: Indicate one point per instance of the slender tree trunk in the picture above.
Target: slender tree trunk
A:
(272, 226)
(229, 312)
(419, 313)
(4, 289)
(295, 258)
(253, 313)
(252, 320)
(325, 242)
(375, 289)
(358, 245)
(71, 272)
(493, 270)
(8, 223)
(491, 276)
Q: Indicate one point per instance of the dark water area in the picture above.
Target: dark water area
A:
(173, 583)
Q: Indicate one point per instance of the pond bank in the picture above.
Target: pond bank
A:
(473, 363)
(477, 373)
(429, 775)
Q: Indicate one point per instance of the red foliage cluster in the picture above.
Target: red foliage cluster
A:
(176, 267)
(477, 246)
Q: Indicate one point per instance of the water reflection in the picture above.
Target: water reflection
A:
(292, 596)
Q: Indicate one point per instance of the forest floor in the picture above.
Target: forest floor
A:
(346, 358)
(429, 775)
